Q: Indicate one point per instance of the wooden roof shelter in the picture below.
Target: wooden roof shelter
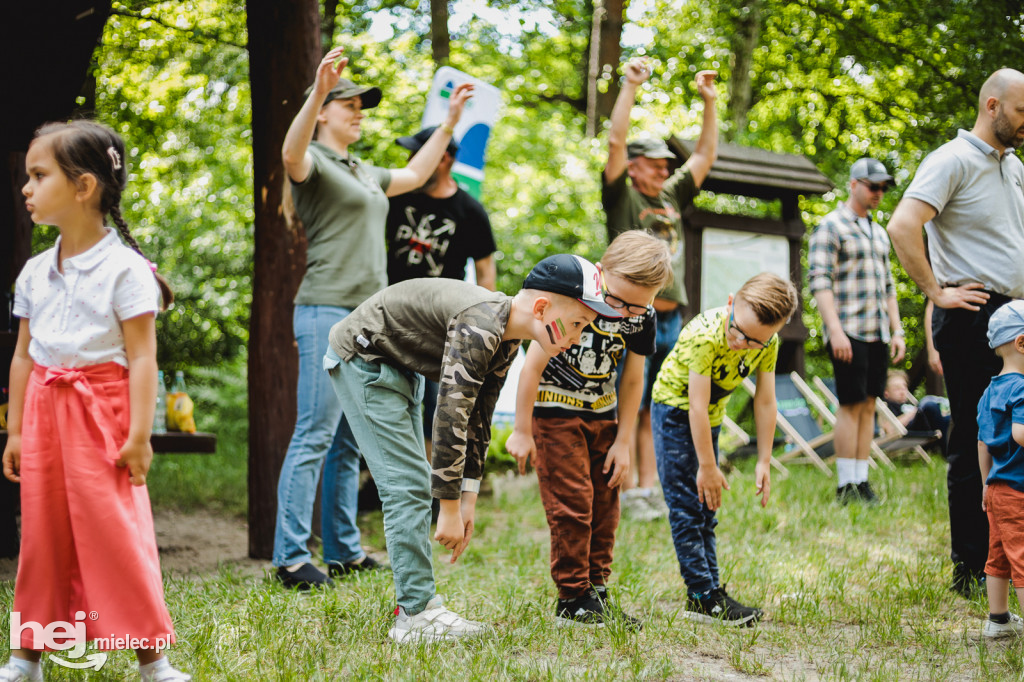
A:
(759, 174)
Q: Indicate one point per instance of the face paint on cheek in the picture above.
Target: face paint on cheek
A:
(556, 330)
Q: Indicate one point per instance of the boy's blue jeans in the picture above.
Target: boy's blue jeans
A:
(321, 439)
(384, 408)
(693, 524)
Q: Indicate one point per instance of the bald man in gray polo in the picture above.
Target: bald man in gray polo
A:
(968, 196)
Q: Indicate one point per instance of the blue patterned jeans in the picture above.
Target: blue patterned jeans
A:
(692, 523)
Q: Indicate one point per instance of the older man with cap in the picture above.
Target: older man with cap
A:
(968, 195)
(851, 280)
(431, 232)
(653, 201)
(342, 203)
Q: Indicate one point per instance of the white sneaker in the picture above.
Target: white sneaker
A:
(637, 506)
(165, 672)
(8, 673)
(1015, 628)
(434, 624)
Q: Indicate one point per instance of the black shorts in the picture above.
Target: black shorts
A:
(865, 375)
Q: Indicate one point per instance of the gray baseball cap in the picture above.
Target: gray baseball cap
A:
(870, 170)
(652, 149)
(345, 89)
(1006, 324)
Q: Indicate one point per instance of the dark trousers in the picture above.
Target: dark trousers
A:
(582, 511)
(693, 524)
(968, 364)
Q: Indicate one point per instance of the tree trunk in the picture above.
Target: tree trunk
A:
(440, 41)
(744, 41)
(609, 54)
(276, 30)
(330, 23)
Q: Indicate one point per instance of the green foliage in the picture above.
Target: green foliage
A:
(831, 80)
(171, 79)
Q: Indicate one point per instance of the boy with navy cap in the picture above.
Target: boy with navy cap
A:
(465, 338)
(1001, 459)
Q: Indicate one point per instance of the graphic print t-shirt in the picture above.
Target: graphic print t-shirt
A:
(430, 237)
(580, 382)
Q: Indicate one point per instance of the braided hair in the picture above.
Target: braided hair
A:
(81, 147)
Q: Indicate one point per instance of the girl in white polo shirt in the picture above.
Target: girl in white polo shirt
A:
(83, 393)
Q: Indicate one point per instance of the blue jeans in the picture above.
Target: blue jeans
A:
(384, 406)
(693, 524)
(666, 334)
(321, 439)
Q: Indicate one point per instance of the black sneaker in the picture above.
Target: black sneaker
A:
(719, 607)
(304, 577)
(867, 493)
(350, 567)
(584, 611)
(845, 494)
(967, 583)
(613, 611)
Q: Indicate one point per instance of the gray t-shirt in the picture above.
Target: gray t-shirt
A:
(343, 208)
(978, 233)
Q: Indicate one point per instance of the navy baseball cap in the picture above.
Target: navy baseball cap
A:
(346, 89)
(1006, 324)
(414, 143)
(574, 277)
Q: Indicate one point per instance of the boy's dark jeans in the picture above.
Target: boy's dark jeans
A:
(693, 524)
(968, 364)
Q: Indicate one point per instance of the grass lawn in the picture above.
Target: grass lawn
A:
(849, 593)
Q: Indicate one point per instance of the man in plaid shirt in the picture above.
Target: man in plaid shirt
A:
(848, 262)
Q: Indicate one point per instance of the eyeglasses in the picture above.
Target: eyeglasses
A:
(632, 308)
(873, 187)
(739, 332)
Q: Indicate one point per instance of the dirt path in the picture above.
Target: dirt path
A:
(191, 543)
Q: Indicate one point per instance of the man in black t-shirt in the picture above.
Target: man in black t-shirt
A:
(432, 232)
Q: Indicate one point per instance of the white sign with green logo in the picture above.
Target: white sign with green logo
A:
(474, 128)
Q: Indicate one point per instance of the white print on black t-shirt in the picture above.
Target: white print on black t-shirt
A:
(422, 242)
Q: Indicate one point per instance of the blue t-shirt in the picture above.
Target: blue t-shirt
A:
(1002, 406)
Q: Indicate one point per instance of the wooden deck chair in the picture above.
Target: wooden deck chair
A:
(894, 440)
(744, 438)
(827, 413)
(810, 444)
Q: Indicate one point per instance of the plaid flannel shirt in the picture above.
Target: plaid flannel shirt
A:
(853, 262)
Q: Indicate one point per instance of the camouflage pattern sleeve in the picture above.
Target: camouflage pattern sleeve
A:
(474, 336)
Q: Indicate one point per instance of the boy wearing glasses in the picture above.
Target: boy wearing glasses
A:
(850, 278)
(714, 353)
(566, 420)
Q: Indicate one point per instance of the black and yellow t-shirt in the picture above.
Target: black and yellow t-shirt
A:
(703, 348)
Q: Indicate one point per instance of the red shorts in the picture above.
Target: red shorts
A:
(1005, 532)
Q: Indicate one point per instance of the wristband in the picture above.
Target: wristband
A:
(447, 128)
(470, 485)
(899, 332)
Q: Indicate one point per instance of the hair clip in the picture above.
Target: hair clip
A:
(115, 158)
(152, 266)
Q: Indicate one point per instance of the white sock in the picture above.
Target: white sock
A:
(846, 470)
(862, 471)
(295, 567)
